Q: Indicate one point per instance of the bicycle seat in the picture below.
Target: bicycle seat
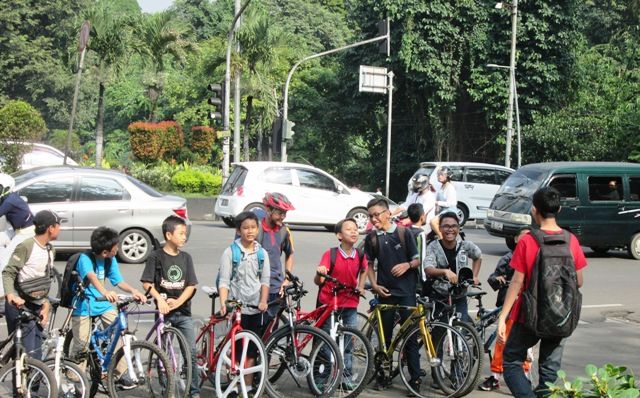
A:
(477, 293)
(212, 292)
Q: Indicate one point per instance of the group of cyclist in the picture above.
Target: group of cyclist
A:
(396, 260)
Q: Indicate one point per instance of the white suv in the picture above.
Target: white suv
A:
(318, 197)
(476, 184)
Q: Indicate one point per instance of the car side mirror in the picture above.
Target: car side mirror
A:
(340, 189)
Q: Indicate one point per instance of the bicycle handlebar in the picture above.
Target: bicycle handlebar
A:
(340, 285)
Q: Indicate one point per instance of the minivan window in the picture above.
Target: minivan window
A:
(603, 188)
(566, 185)
(523, 182)
(94, 189)
(235, 180)
(481, 176)
(49, 191)
(634, 188)
(456, 173)
(311, 179)
(278, 176)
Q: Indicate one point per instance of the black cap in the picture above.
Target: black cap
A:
(46, 218)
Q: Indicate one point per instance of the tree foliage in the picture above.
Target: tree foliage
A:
(19, 122)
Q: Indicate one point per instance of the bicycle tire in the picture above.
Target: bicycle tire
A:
(443, 337)
(361, 348)
(477, 353)
(155, 360)
(38, 375)
(76, 386)
(243, 337)
(279, 357)
(180, 362)
(371, 333)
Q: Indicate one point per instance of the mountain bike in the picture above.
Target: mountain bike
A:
(225, 364)
(23, 376)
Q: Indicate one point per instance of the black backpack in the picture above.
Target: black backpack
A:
(333, 254)
(69, 284)
(551, 304)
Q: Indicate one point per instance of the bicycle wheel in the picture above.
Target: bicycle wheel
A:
(302, 354)
(37, 380)
(477, 354)
(447, 373)
(149, 365)
(73, 380)
(179, 353)
(357, 355)
(248, 379)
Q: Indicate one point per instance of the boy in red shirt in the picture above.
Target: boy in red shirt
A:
(546, 204)
(350, 268)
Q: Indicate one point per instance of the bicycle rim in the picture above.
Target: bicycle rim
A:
(38, 380)
(149, 365)
(73, 380)
(249, 378)
(477, 355)
(357, 355)
(174, 344)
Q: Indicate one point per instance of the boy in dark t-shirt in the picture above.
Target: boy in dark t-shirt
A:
(170, 275)
(395, 279)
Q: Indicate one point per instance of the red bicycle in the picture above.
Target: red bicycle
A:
(236, 365)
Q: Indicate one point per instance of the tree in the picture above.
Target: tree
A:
(156, 38)
(19, 122)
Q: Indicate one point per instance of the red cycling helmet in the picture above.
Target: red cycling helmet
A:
(278, 201)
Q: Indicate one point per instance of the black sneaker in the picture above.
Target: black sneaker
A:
(415, 386)
(489, 384)
(125, 383)
(382, 385)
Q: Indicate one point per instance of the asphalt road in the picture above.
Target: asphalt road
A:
(609, 330)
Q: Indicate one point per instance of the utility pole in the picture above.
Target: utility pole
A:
(390, 91)
(236, 97)
(512, 79)
(82, 49)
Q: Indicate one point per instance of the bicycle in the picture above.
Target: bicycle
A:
(24, 376)
(299, 354)
(224, 365)
(352, 343)
(151, 371)
(447, 352)
(445, 311)
(173, 342)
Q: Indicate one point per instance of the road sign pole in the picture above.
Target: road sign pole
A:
(389, 118)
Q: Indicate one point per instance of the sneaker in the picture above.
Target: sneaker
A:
(125, 383)
(489, 384)
(382, 385)
(347, 385)
(415, 386)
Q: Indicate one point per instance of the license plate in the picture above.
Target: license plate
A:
(496, 225)
(224, 202)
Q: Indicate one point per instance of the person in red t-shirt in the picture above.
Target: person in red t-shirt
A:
(546, 205)
(350, 270)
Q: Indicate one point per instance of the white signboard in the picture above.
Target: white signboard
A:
(373, 79)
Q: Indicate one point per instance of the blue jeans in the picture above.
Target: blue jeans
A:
(388, 317)
(349, 318)
(515, 352)
(31, 331)
(184, 324)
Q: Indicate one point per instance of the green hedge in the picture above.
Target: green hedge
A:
(179, 178)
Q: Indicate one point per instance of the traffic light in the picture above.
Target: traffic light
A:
(383, 30)
(287, 129)
(217, 100)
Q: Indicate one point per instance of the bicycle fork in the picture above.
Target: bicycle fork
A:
(131, 369)
(428, 345)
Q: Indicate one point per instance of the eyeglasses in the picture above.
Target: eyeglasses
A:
(377, 215)
(449, 226)
(279, 212)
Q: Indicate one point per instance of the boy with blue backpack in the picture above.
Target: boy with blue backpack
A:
(170, 277)
(244, 275)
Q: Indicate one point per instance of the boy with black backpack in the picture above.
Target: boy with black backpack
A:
(348, 265)
(548, 308)
(170, 277)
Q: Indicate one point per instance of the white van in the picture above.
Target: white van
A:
(476, 184)
(41, 155)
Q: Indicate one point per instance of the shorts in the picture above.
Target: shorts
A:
(255, 323)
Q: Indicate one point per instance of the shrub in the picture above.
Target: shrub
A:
(196, 181)
(609, 381)
(151, 142)
(158, 177)
(19, 121)
(202, 138)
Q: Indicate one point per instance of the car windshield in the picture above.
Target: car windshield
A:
(144, 187)
(425, 170)
(516, 192)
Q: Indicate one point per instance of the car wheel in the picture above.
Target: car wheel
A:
(463, 214)
(634, 247)
(135, 246)
(511, 243)
(255, 206)
(362, 218)
(228, 222)
(599, 250)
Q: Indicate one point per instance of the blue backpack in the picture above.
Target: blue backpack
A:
(236, 257)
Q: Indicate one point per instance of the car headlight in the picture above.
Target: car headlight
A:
(490, 213)
(521, 218)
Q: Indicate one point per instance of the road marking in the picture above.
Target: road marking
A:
(602, 305)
